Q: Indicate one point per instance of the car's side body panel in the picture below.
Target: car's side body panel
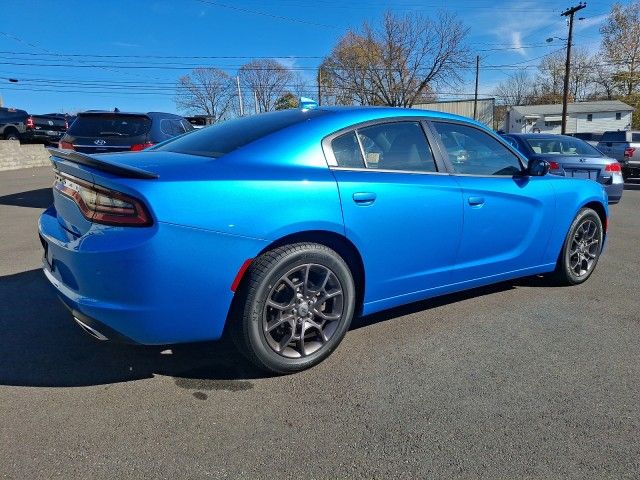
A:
(171, 282)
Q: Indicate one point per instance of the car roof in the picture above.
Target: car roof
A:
(148, 114)
(389, 112)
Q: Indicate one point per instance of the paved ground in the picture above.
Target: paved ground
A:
(518, 380)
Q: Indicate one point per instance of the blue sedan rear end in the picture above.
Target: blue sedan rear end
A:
(281, 227)
(572, 157)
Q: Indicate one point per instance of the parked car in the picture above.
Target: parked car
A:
(13, 123)
(282, 226)
(571, 157)
(624, 146)
(47, 129)
(109, 132)
(591, 138)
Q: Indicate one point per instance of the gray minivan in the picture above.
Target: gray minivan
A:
(624, 146)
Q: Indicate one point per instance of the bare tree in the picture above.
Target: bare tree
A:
(621, 45)
(550, 79)
(517, 89)
(398, 63)
(207, 91)
(267, 80)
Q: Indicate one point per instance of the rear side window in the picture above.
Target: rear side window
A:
(110, 125)
(347, 151)
(474, 152)
(397, 146)
(171, 127)
(225, 137)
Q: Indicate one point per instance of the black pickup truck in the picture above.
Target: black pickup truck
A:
(13, 123)
(44, 128)
(17, 124)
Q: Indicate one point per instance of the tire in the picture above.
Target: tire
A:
(11, 135)
(581, 249)
(271, 314)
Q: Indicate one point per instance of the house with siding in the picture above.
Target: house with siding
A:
(591, 117)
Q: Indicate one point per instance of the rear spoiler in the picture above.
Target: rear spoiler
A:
(111, 167)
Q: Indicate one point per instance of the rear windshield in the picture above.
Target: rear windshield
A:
(562, 146)
(110, 125)
(614, 136)
(225, 137)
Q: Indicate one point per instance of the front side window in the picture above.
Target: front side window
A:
(474, 152)
(397, 146)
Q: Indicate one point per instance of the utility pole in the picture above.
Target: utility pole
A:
(240, 97)
(475, 96)
(319, 87)
(570, 12)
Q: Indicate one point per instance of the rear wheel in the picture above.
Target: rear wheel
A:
(11, 134)
(295, 306)
(581, 249)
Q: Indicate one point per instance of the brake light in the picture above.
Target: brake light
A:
(613, 168)
(29, 123)
(554, 166)
(65, 145)
(141, 146)
(628, 152)
(102, 205)
(66, 125)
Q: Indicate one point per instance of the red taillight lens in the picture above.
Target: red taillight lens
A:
(628, 152)
(554, 166)
(101, 205)
(66, 125)
(613, 168)
(29, 123)
(65, 146)
(141, 146)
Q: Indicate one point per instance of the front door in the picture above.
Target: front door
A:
(508, 216)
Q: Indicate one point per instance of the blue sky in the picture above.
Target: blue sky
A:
(59, 43)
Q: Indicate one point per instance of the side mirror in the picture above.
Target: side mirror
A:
(538, 167)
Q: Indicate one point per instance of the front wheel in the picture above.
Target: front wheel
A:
(581, 249)
(294, 307)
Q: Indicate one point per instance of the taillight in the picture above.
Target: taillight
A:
(613, 168)
(101, 205)
(65, 145)
(628, 152)
(554, 166)
(66, 125)
(29, 123)
(141, 146)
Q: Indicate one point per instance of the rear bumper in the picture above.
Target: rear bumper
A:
(615, 188)
(156, 285)
(41, 136)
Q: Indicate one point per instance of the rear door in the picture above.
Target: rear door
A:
(508, 217)
(403, 213)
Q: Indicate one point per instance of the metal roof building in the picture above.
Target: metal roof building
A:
(594, 117)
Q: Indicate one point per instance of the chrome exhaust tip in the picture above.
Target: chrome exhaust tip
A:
(90, 330)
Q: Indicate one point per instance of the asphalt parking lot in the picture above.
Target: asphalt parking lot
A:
(512, 381)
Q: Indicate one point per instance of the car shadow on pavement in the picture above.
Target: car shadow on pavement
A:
(40, 345)
(40, 198)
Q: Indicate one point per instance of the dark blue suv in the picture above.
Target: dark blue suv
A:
(107, 132)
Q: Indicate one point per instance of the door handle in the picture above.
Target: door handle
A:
(364, 198)
(476, 201)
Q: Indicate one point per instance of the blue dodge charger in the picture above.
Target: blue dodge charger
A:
(279, 228)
